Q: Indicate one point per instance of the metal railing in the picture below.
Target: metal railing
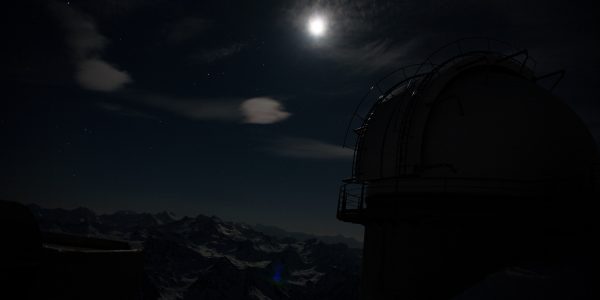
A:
(417, 77)
(351, 202)
(413, 79)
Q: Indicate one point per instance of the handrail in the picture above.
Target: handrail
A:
(428, 69)
(419, 69)
(379, 96)
(560, 73)
(352, 204)
(351, 201)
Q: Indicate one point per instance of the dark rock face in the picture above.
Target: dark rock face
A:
(207, 258)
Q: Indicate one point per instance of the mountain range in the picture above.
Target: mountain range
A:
(207, 258)
(301, 236)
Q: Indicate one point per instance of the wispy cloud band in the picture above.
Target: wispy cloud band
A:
(260, 110)
(309, 149)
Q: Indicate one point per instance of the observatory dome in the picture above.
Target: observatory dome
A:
(478, 124)
(465, 168)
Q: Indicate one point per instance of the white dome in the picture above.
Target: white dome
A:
(478, 125)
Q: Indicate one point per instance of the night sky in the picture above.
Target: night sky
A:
(234, 108)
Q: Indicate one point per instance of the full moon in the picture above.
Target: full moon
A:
(317, 26)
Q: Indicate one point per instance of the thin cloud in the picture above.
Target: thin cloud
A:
(226, 110)
(372, 57)
(121, 110)
(217, 54)
(86, 45)
(309, 149)
(348, 19)
(261, 110)
(356, 38)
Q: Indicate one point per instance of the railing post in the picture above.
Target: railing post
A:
(344, 198)
(362, 196)
(339, 201)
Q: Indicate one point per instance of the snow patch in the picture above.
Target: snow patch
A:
(230, 231)
(270, 248)
(258, 294)
(240, 264)
(172, 293)
(302, 277)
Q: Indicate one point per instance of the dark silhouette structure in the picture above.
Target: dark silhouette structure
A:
(42, 265)
(466, 170)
